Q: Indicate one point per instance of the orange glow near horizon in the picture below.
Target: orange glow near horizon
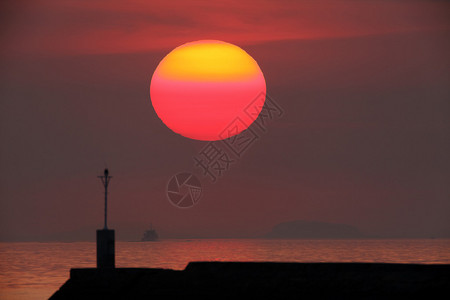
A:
(200, 88)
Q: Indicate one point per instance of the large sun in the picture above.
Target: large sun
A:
(208, 90)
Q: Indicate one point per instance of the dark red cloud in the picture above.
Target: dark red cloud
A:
(74, 27)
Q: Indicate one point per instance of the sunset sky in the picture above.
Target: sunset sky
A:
(364, 139)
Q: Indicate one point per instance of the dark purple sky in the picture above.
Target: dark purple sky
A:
(364, 140)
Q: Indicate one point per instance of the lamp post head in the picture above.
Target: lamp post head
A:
(106, 172)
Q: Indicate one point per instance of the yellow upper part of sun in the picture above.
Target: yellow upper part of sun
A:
(208, 60)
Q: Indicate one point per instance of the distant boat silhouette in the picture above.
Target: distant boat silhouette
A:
(150, 235)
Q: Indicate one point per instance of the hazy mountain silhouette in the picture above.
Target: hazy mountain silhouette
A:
(314, 230)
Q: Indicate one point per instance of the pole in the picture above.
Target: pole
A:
(105, 236)
(105, 180)
(106, 206)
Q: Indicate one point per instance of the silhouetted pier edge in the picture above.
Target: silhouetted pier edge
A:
(263, 280)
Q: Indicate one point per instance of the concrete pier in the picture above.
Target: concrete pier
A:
(265, 280)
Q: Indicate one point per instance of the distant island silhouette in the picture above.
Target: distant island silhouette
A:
(301, 229)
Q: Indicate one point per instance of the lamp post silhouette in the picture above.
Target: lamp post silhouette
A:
(105, 180)
(105, 236)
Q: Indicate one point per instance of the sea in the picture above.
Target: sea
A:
(36, 270)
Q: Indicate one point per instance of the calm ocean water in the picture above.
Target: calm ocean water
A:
(37, 270)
